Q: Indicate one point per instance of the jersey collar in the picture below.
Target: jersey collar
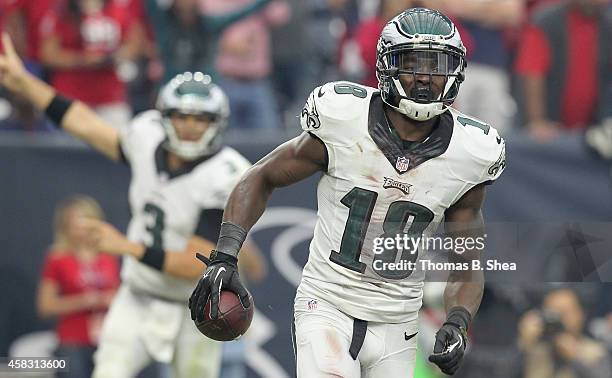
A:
(405, 158)
(161, 162)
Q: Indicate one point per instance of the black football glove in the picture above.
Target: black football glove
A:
(221, 274)
(451, 341)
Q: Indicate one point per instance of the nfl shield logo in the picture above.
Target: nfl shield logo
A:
(402, 164)
(312, 305)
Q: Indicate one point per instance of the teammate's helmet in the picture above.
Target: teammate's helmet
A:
(419, 41)
(193, 94)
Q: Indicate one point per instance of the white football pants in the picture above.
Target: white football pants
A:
(323, 336)
(139, 329)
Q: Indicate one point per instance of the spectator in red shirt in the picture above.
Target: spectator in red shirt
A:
(358, 55)
(564, 63)
(83, 42)
(23, 19)
(77, 285)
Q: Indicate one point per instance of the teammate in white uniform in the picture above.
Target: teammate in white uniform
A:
(181, 179)
(173, 209)
(396, 160)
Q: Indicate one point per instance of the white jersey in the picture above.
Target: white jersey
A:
(376, 184)
(169, 208)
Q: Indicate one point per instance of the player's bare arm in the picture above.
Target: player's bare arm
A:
(180, 264)
(105, 237)
(76, 118)
(289, 163)
(464, 219)
(464, 289)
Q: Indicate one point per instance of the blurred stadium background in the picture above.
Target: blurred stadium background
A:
(544, 80)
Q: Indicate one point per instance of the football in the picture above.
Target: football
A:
(233, 320)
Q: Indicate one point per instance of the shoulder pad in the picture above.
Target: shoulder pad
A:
(332, 110)
(218, 176)
(143, 125)
(145, 119)
(485, 148)
(226, 165)
(144, 130)
(233, 163)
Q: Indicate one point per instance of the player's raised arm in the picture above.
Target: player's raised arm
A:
(73, 116)
(464, 288)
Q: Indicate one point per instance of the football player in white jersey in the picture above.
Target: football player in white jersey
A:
(181, 178)
(394, 160)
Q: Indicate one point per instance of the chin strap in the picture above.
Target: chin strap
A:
(420, 112)
(414, 110)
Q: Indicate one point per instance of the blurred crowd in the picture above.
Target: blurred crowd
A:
(541, 66)
(561, 330)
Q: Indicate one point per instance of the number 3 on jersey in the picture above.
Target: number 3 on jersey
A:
(361, 204)
(155, 225)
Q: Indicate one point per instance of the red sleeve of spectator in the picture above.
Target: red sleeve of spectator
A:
(50, 270)
(533, 57)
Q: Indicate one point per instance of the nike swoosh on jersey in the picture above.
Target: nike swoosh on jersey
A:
(408, 337)
(320, 93)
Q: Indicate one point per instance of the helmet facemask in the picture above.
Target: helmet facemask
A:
(433, 76)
